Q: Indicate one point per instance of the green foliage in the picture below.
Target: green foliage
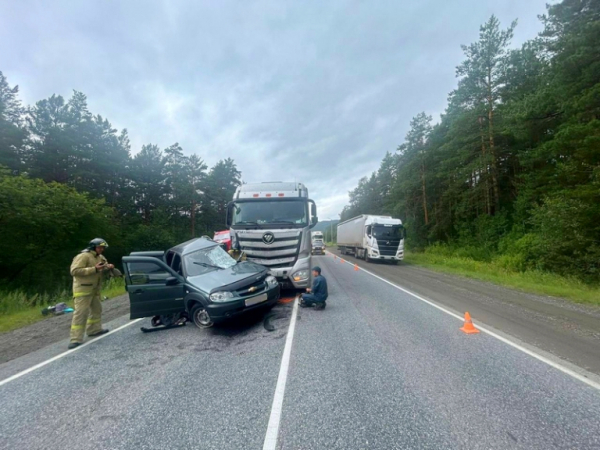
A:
(12, 132)
(68, 176)
(511, 172)
(44, 226)
(150, 237)
(499, 271)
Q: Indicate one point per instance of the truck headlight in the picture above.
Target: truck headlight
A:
(271, 281)
(219, 297)
(301, 275)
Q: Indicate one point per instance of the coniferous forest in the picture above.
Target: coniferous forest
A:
(511, 171)
(67, 176)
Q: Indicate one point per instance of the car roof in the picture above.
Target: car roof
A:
(193, 245)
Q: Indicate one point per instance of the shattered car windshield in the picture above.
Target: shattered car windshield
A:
(207, 260)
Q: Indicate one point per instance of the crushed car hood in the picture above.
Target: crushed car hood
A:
(218, 279)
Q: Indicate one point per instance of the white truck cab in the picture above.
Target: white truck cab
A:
(371, 237)
(271, 222)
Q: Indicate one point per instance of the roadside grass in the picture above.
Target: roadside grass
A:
(532, 281)
(18, 309)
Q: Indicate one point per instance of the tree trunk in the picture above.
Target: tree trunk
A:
(484, 168)
(496, 200)
(424, 194)
(193, 211)
(193, 219)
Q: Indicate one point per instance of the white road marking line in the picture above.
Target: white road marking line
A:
(276, 410)
(551, 363)
(68, 352)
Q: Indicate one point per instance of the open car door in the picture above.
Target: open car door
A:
(154, 288)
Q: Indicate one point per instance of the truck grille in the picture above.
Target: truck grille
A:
(388, 247)
(281, 252)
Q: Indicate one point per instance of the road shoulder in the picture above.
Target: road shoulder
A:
(22, 341)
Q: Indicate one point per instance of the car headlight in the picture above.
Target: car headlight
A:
(219, 297)
(271, 281)
(301, 275)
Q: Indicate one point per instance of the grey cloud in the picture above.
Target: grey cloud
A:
(312, 91)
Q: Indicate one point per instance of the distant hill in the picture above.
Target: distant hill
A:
(324, 225)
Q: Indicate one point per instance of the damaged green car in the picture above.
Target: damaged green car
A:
(196, 281)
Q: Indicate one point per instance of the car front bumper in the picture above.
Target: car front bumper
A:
(219, 312)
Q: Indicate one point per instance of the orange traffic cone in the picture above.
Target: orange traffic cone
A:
(356, 267)
(341, 260)
(468, 327)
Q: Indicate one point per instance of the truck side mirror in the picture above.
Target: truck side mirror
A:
(229, 215)
(313, 209)
(314, 220)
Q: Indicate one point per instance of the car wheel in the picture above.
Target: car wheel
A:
(200, 316)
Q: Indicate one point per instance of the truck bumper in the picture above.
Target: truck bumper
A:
(284, 275)
(398, 257)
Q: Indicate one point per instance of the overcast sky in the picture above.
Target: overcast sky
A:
(313, 91)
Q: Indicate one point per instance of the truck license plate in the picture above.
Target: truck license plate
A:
(258, 299)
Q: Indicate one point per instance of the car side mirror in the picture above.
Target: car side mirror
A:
(171, 281)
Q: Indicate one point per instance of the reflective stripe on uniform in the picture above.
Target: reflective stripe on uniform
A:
(76, 327)
(93, 320)
(81, 294)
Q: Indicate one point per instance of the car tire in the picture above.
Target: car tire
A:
(199, 316)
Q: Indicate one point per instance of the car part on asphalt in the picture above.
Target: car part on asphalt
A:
(166, 322)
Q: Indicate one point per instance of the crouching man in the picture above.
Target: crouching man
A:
(317, 295)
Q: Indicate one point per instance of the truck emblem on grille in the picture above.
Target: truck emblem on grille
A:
(268, 238)
(252, 289)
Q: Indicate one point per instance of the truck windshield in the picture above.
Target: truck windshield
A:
(207, 260)
(389, 232)
(275, 212)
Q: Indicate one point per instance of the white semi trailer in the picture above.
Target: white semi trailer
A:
(372, 238)
(271, 223)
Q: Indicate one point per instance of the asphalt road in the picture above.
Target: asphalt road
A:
(565, 329)
(377, 369)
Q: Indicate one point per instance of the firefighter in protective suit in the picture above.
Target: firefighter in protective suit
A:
(87, 270)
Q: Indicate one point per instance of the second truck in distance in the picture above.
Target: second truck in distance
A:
(372, 238)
